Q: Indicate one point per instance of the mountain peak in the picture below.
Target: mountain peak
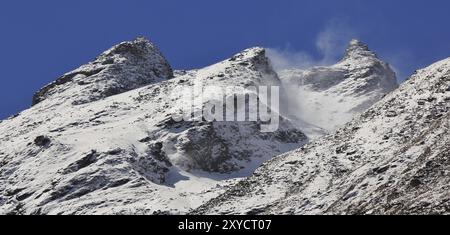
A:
(251, 54)
(357, 49)
(140, 46)
(330, 96)
(126, 66)
(256, 58)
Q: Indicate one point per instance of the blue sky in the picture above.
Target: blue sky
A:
(40, 40)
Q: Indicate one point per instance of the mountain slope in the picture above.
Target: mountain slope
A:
(329, 96)
(392, 159)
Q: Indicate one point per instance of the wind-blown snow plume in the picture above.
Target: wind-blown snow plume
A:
(330, 44)
(323, 94)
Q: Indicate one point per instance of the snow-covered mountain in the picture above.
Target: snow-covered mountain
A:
(326, 97)
(102, 140)
(392, 159)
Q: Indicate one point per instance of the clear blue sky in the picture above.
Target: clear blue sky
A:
(40, 40)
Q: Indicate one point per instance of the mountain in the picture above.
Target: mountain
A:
(101, 139)
(324, 98)
(392, 159)
(106, 139)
